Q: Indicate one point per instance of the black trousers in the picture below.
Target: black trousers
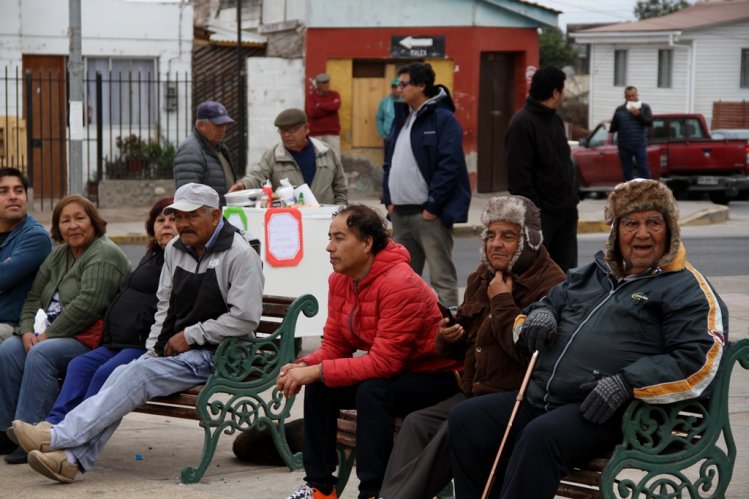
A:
(540, 450)
(560, 237)
(378, 402)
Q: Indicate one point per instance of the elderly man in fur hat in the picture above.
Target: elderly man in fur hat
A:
(515, 271)
(638, 322)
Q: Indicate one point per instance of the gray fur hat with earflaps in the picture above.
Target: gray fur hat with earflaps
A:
(640, 195)
(517, 210)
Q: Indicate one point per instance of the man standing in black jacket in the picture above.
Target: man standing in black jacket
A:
(203, 158)
(631, 120)
(539, 165)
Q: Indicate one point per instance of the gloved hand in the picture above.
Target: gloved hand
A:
(538, 326)
(607, 395)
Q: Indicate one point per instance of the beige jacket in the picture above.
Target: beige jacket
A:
(329, 185)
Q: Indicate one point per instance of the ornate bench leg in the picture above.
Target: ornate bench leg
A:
(278, 432)
(346, 459)
(210, 441)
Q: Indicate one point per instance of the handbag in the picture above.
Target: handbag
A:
(91, 336)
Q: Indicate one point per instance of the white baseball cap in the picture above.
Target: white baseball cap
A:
(192, 196)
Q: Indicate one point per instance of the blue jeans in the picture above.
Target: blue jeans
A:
(640, 156)
(86, 375)
(430, 241)
(29, 382)
(87, 428)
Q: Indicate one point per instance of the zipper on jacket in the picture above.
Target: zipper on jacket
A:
(353, 310)
(623, 282)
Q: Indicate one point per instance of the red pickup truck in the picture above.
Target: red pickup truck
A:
(681, 154)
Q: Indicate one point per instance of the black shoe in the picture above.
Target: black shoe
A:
(6, 445)
(11, 435)
(18, 456)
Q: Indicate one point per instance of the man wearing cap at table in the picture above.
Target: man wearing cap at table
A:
(203, 158)
(301, 159)
(386, 109)
(211, 288)
(322, 109)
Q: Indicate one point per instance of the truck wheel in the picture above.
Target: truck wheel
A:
(719, 198)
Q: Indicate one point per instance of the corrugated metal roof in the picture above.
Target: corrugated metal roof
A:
(698, 15)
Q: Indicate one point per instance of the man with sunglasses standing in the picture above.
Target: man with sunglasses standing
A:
(203, 158)
(301, 159)
(425, 182)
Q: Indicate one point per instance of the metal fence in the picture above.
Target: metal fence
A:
(133, 123)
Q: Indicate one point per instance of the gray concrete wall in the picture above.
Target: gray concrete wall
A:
(119, 193)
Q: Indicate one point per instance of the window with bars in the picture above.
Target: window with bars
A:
(129, 90)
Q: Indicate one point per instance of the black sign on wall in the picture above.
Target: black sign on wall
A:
(414, 46)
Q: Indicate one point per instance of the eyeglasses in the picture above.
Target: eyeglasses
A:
(654, 224)
(290, 129)
(403, 84)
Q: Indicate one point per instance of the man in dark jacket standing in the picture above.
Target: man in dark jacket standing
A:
(515, 271)
(425, 183)
(203, 158)
(631, 120)
(638, 322)
(539, 165)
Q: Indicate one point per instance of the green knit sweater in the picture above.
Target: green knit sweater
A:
(86, 286)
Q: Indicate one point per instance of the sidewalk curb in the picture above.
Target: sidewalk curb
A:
(707, 216)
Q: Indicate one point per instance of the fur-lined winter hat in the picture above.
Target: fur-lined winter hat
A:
(640, 195)
(517, 210)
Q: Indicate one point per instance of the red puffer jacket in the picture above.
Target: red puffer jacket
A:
(391, 314)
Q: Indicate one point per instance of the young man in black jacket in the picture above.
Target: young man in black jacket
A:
(539, 165)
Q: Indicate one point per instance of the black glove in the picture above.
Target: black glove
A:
(539, 325)
(607, 395)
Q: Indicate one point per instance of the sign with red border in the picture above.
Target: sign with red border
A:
(284, 245)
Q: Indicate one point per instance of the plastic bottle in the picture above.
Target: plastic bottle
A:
(300, 200)
(268, 194)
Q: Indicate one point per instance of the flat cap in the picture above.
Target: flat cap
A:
(290, 117)
(322, 78)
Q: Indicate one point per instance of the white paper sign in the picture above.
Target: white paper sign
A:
(76, 120)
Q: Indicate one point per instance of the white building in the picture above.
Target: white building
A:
(139, 43)
(680, 63)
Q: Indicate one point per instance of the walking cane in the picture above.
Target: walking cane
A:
(518, 399)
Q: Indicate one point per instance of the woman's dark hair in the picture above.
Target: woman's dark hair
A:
(100, 225)
(156, 210)
(421, 73)
(364, 221)
(15, 172)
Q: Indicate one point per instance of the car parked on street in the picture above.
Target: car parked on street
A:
(681, 153)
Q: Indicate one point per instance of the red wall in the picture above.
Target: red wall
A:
(463, 45)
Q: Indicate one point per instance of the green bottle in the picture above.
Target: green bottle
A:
(300, 200)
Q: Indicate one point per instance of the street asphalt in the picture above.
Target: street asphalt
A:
(167, 445)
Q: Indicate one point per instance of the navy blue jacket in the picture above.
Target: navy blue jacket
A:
(437, 144)
(21, 254)
(632, 130)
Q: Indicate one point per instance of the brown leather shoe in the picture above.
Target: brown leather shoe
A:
(32, 437)
(53, 465)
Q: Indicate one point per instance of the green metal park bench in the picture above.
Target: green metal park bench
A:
(241, 394)
(669, 451)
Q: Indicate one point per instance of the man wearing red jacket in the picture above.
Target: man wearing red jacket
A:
(376, 304)
(322, 111)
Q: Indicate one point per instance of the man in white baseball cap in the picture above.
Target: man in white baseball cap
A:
(197, 309)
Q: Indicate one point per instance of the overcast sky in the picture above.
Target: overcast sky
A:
(591, 11)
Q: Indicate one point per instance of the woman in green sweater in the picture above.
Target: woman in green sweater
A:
(74, 287)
